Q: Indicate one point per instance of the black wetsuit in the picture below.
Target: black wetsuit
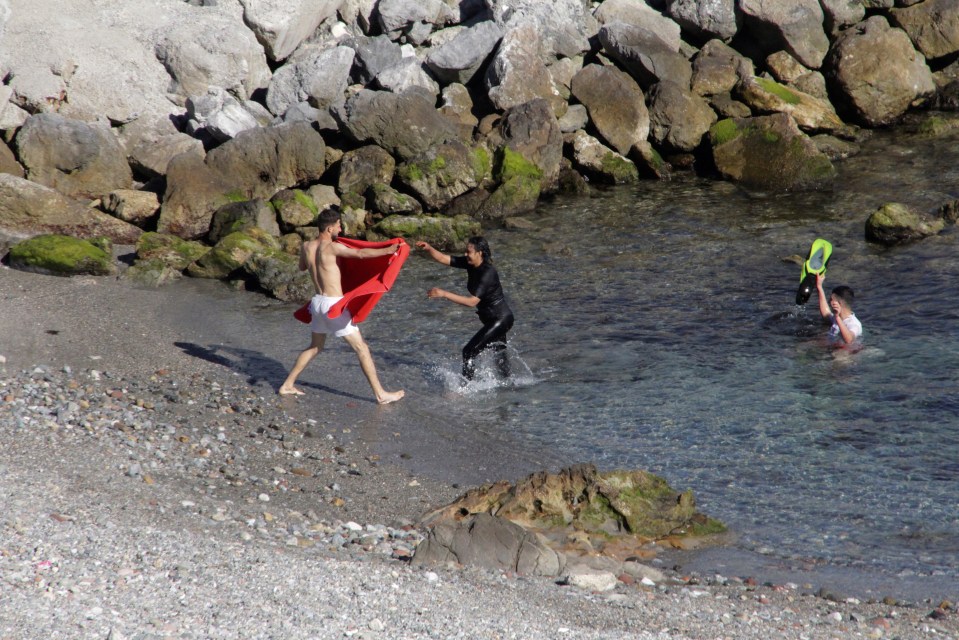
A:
(494, 313)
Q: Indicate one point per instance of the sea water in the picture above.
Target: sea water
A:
(656, 328)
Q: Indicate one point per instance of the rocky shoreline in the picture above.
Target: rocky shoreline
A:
(182, 501)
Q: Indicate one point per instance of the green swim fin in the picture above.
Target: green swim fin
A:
(815, 264)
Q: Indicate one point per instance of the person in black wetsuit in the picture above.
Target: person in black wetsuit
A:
(486, 294)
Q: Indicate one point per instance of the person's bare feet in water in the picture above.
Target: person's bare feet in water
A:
(289, 391)
(390, 396)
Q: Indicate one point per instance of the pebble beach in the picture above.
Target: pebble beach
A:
(149, 493)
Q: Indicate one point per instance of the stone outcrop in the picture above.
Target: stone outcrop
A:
(769, 152)
(894, 223)
(876, 90)
(28, 209)
(578, 509)
(76, 159)
(60, 255)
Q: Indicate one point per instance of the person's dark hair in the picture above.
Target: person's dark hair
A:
(329, 217)
(845, 294)
(480, 244)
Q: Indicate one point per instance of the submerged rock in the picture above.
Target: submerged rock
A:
(894, 223)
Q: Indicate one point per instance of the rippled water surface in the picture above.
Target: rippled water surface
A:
(656, 328)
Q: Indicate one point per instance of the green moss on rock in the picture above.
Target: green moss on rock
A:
(175, 252)
(63, 256)
(511, 164)
(785, 94)
(619, 169)
(724, 131)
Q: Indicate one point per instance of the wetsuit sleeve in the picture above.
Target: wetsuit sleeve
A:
(458, 262)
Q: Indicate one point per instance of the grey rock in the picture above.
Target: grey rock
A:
(616, 105)
(876, 74)
(717, 68)
(408, 74)
(440, 174)
(8, 162)
(135, 207)
(640, 14)
(459, 59)
(575, 118)
(894, 223)
(75, 158)
(839, 14)
(294, 208)
(384, 199)
(705, 20)
(932, 25)
(646, 56)
(361, 168)
(769, 152)
(796, 26)
(599, 162)
(487, 541)
(532, 130)
(563, 27)
(678, 118)
(220, 114)
(517, 73)
(240, 216)
(373, 55)
(395, 16)
(404, 124)
(810, 113)
(448, 233)
(319, 75)
(281, 25)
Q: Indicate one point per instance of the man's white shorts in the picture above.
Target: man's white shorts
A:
(340, 326)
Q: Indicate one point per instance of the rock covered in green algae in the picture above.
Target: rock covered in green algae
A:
(579, 498)
(894, 223)
(60, 255)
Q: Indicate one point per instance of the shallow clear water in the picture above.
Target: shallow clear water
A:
(656, 328)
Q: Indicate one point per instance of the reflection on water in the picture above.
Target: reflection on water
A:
(659, 328)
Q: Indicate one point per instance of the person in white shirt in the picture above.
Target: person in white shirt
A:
(838, 310)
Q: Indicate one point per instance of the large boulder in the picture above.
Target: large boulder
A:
(796, 26)
(150, 147)
(769, 152)
(600, 163)
(442, 173)
(705, 20)
(894, 223)
(563, 27)
(616, 105)
(318, 75)
(531, 130)
(240, 216)
(447, 233)
(839, 14)
(398, 16)
(404, 124)
(232, 253)
(768, 96)
(646, 56)
(933, 26)
(213, 51)
(278, 273)
(640, 14)
(372, 56)
(678, 118)
(458, 59)
(75, 158)
(518, 73)
(281, 25)
(632, 504)
(135, 207)
(483, 540)
(219, 115)
(194, 191)
(363, 167)
(717, 68)
(63, 256)
(28, 209)
(876, 74)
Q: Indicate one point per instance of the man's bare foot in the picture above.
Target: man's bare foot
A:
(289, 391)
(390, 396)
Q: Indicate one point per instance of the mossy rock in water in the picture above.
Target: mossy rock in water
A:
(232, 252)
(170, 250)
(152, 273)
(894, 223)
(441, 232)
(63, 256)
(295, 208)
(579, 498)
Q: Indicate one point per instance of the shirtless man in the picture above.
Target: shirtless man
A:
(319, 258)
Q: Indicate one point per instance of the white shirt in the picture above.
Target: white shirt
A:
(852, 323)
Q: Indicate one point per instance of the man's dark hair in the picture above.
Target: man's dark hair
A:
(845, 294)
(480, 244)
(329, 217)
